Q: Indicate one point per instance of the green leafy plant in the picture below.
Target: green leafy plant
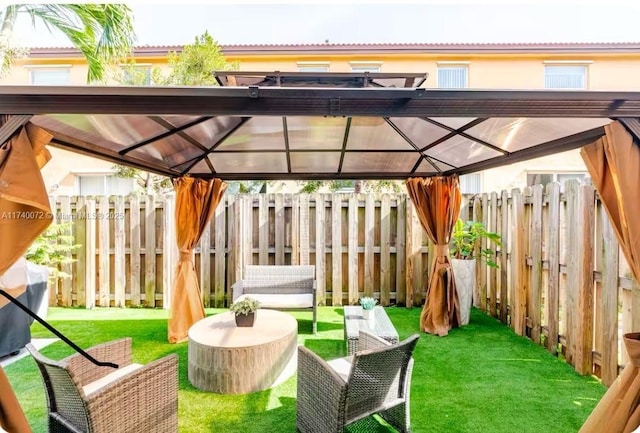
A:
(467, 235)
(53, 248)
(245, 306)
(367, 303)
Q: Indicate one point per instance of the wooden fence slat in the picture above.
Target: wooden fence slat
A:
(483, 267)
(493, 272)
(234, 262)
(321, 278)
(54, 286)
(479, 301)
(170, 249)
(535, 299)
(630, 315)
(263, 229)
(571, 301)
(119, 258)
(279, 213)
(353, 250)
(584, 283)
(90, 260)
(220, 232)
(609, 302)
(134, 245)
(385, 250)
(294, 229)
(67, 268)
(104, 288)
(336, 249)
(369, 236)
(519, 298)
(409, 257)
(304, 233)
(81, 254)
(401, 252)
(205, 264)
(150, 251)
(553, 257)
(247, 228)
(504, 258)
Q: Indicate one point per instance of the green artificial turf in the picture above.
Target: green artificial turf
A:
(480, 378)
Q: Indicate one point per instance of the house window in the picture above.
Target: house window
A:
(50, 77)
(561, 178)
(104, 185)
(453, 77)
(565, 77)
(313, 66)
(366, 66)
(471, 183)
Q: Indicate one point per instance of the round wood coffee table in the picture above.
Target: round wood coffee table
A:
(227, 359)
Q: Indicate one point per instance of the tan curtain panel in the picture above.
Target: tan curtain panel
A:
(24, 214)
(614, 165)
(196, 200)
(437, 203)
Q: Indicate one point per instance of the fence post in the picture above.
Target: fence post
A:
(504, 257)
(493, 272)
(90, 260)
(553, 256)
(80, 279)
(150, 251)
(134, 245)
(518, 263)
(608, 305)
(352, 251)
(401, 251)
(103, 252)
(385, 249)
(119, 258)
(320, 251)
(336, 249)
(369, 239)
(535, 292)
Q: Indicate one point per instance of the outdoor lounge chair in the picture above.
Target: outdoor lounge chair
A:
(337, 393)
(82, 397)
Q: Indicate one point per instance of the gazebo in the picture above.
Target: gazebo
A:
(267, 126)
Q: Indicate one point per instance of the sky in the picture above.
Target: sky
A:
(306, 22)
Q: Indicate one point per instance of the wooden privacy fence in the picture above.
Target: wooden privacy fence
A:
(360, 245)
(562, 280)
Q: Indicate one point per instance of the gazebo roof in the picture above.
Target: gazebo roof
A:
(314, 125)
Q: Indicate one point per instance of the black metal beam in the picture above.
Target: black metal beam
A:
(284, 101)
(285, 132)
(411, 143)
(345, 140)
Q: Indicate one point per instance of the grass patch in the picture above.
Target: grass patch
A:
(480, 378)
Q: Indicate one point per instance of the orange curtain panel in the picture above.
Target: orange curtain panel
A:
(437, 203)
(196, 200)
(614, 165)
(24, 214)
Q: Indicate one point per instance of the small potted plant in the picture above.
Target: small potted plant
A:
(464, 240)
(245, 311)
(367, 305)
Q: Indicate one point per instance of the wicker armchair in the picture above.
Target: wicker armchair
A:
(345, 391)
(82, 397)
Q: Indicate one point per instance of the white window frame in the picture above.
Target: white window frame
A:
(314, 66)
(366, 66)
(480, 181)
(105, 174)
(584, 64)
(37, 68)
(555, 174)
(450, 65)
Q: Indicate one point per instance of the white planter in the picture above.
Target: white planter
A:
(367, 314)
(464, 272)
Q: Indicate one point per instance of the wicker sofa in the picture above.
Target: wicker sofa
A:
(278, 287)
(348, 391)
(134, 398)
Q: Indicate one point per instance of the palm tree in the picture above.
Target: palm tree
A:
(103, 33)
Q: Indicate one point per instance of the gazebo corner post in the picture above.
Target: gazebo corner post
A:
(437, 205)
(196, 201)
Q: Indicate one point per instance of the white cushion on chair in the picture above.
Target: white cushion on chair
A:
(342, 366)
(109, 378)
(301, 300)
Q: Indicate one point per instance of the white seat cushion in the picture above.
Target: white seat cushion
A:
(342, 366)
(109, 378)
(302, 300)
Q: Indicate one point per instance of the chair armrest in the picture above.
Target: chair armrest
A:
(368, 341)
(236, 290)
(84, 371)
(144, 400)
(321, 394)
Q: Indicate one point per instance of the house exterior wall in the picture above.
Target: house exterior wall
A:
(609, 67)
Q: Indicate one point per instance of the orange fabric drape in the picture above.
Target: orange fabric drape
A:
(196, 200)
(614, 165)
(437, 203)
(24, 214)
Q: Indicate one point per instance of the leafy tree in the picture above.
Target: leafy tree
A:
(52, 248)
(103, 33)
(150, 183)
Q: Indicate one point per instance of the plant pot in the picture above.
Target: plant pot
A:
(464, 273)
(367, 314)
(245, 320)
